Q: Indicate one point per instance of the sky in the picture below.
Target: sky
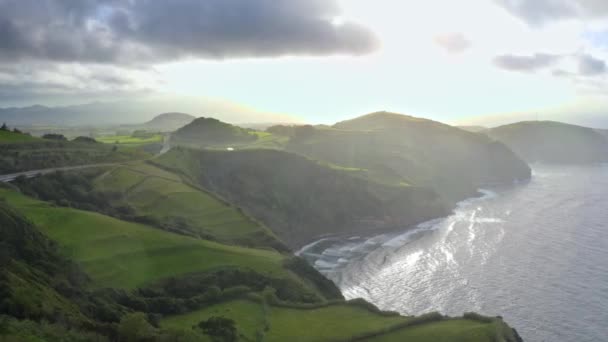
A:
(481, 62)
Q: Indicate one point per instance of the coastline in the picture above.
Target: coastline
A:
(366, 234)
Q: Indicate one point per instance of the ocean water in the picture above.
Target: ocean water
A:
(535, 253)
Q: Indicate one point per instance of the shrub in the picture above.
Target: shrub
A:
(473, 316)
(52, 136)
(220, 328)
(134, 328)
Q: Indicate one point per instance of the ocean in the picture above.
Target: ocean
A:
(535, 253)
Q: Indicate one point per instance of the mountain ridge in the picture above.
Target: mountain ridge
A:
(553, 142)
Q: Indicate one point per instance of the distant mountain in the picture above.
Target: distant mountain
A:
(204, 132)
(168, 122)
(396, 148)
(474, 129)
(132, 112)
(97, 113)
(554, 142)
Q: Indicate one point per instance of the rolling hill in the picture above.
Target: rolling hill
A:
(149, 250)
(301, 199)
(396, 148)
(210, 132)
(48, 297)
(553, 142)
(168, 122)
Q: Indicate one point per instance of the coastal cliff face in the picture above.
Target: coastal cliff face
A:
(301, 199)
(399, 148)
(553, 142)
(375, 173)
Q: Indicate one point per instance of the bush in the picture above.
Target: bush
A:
(473, 316)
(134, 328)
(52, 136)
(220, 328)
(86, 140)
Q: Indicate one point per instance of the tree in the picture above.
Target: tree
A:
(52, 136)
(134, 328)
(4, 127)
(220, 328)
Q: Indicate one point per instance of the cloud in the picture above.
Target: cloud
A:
(148, 31)
(453, 42)
(526, 64)
(46, 80)
(590, 66)
(538, 12)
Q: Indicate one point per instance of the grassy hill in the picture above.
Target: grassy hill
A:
(165, 198)
(301, 199)
(25, 153)
(175, 280)
(357, 323)
(168, 122)
(13, 137)
(553, 142)
(147, 251)
(131, 140)
(396, 148)
(122, 254)
(210, 132)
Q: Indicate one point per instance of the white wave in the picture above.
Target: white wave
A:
(309, 246)
(489, 220)
(333, 252)
(320, 263)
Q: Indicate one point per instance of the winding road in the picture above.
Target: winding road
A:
(35, 173)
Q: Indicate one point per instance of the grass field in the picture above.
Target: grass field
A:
(127, 255)
(322, 325)
(339, 322)
(249, 316)
(11, 137)
(161, 194)
(457, 330)
(264, 140)
(130, 140)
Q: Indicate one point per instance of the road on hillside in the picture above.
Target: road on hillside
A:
(35, 173)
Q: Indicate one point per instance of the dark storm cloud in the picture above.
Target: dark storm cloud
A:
(112, 31)
(526, 63)
(537, 12)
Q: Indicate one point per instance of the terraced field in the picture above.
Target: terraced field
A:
(130, 140)
(162, 195)
(455, 330)
(338, 322)
(121, 254)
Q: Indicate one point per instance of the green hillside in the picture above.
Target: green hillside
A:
(127, 255)
(175, 279)
(398, 148)
(301, 199)
(210, 132)
(553, 142)
(13, 137)
(356, 323)
(168, 122)
(161, 251)
(27, 153)
(131, 140)
(165, 198)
